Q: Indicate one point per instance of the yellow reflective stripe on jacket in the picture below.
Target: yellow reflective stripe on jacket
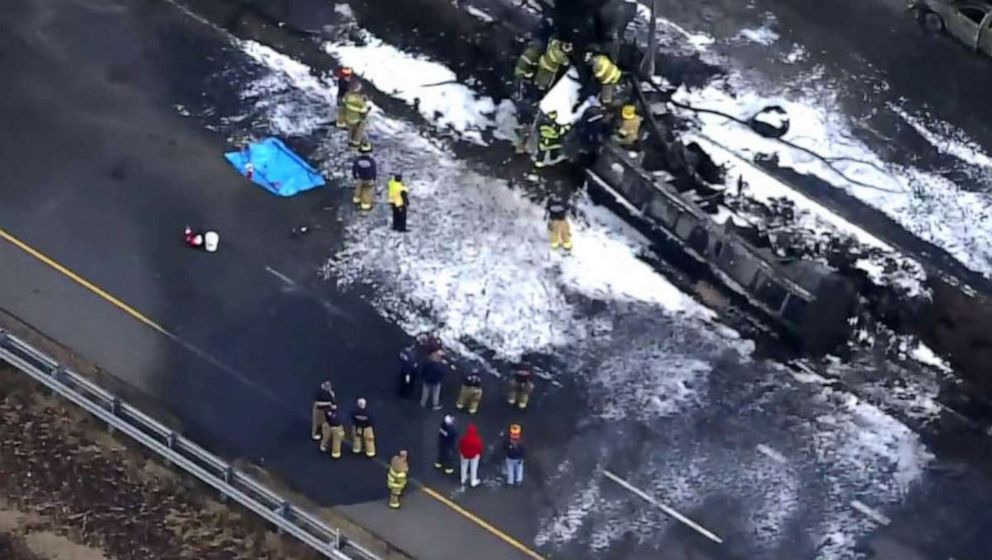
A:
(357, 103)
(553, 58)
(396, 190)
(605, 71)
(395, 479)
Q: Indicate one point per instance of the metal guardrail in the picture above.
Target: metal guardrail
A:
(179, 451)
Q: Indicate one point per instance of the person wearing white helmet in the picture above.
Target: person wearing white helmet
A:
(447, 437)
(362, 432)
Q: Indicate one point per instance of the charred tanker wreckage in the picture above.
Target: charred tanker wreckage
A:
(805, 282)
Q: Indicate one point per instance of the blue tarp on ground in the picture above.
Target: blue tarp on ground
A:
(276, 168)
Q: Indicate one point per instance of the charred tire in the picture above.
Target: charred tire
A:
(931, 21)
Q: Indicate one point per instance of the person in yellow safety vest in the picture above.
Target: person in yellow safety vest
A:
(356, 108)
(549, 142)
(399, 201)
(629, 131)
(555, 57)
(396, 479)
(607, 74)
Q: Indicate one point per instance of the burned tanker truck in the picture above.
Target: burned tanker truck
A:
(671, 190)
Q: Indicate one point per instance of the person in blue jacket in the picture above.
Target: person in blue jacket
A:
(363, 170)
(432, 375)
(408, 371)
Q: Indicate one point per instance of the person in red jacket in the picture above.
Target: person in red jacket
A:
(470, 448)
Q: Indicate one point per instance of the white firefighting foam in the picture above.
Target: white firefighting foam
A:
(476, 266)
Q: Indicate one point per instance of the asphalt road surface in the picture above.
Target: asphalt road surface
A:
(121, 114)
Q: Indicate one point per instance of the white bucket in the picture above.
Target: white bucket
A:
(210, 241)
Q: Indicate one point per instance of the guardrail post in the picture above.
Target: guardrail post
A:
(170, 442)
(3, 337)
(283, 511)
(337, 541)
(58, 374)
(228, 475)
(115, 409)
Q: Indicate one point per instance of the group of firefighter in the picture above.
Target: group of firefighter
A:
(537, 70)
(425, 362)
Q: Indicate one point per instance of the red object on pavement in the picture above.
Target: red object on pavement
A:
(471, 444)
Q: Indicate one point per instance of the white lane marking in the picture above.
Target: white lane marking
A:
(771, 453)
(280, 276)
(873, 514)
(671, 512)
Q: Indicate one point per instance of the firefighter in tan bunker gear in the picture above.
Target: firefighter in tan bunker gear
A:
(354, 112)
(332, 432)
(362, 432)
(521, 386)
(396, 478)
(629, 131)
(555, 58)
(607, 74)
(323, 398)
(470, 395)
(560, 231)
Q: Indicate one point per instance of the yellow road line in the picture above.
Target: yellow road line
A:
(83, 282)
(481, 522)
(103, 294)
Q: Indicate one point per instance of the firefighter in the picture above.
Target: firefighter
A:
(343, 76)
(362, 431)
(561, 232)
(521, 386)
(355, 107)
(555, 58)
(514, 450)
(471, 392)
(629, 131)
(526, 67)
(399, 201)
(333, 432)
(323, 397)
(447, 437)
(363, 170)
(549, 141)
(396, 479)
(607, 74)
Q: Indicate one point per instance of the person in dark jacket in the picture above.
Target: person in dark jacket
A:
(447, 438)
(363, 170)
(470, 395)
(408, 371)
(432, 375)
(514, 450)
(561, 233)
(362, 431)
(323, 397)
(333, 432)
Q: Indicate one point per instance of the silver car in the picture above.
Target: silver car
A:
(970, 21)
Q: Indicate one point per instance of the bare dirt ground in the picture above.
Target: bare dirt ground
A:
(70, 491)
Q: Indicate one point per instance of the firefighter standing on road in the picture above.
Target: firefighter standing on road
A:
(344, 76)
(355, 108)
(333, 432)
(549, 141)
(322, 399)
(396, 478)
(629, 131)
(447, 437)
(521, 386)
(363, 170)
(470, 395)
(399, 201)
(607, 74)
(555, 58)
(362, 431)
(561, 232)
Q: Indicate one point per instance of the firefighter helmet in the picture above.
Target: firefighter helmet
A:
(553, 115)
(347, 71)
(628, 112)
(515, 431)
(365, 148)
(210, 241)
